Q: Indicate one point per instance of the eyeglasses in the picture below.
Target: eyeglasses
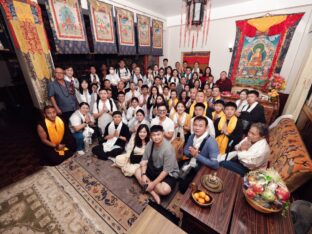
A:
(162, 111)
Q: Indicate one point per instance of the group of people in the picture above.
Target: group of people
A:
(143, 123)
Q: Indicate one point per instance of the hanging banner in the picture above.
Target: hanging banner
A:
(67, 25)
(144, 34)
(25, 24)
(157, 37)
(102, 25)
(261, 45)
(125, 32)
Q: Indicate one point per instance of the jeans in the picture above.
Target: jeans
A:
(235, 166)
(79, 140)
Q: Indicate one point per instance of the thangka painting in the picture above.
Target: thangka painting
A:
(103, 29)
(157, 38)
(144, 34)
(125, 25)
(260, 48)
(25, 25)
(67, 25)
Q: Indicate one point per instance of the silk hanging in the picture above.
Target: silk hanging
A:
(261, 45)
(68, 27)
(144, 34)
(102, 26)
(157, 38)
(125, 32)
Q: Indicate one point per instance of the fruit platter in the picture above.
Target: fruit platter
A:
(265, 191)
(201, 198)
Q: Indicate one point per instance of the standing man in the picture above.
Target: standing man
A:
(123, 72)
(159, 170)
(165, 63)
(62, 96)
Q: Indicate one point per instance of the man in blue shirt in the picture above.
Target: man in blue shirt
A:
(202, 149)
(62, 95)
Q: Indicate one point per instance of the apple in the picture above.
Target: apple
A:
(250, 193)
(257, 188)
(282, 193)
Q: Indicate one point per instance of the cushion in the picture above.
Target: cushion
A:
(289, 156)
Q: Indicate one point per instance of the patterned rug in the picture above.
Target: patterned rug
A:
(45, 203)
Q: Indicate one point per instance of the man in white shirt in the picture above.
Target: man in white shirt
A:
(137, 75)
(164, 121)
(94, 78)
(132, 92)
(251, 153)
(123, 72)
(69, 72)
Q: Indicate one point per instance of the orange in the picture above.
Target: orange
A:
(207, 198)
(196, 196)
(202, 195)
(201, 201)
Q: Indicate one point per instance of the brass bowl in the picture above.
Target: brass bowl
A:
(206, 204)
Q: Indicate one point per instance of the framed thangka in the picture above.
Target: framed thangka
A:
(157, 37)
(144, 34)
(260, 48)
(103, 29)
(125, 25)
(67, 25)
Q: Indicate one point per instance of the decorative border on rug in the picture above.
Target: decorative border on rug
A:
(115, 212)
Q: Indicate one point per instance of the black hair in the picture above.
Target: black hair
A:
(144, 86)
(80, 88)
(206, 70)
(219, 102)
(83, 103)
(117, 113)
(232, 104)
(121, 92)
(137, 140)
(157, 128)
(165, 59)
(201, 118)
(47, 107)
(140, 111)
(202, 105)
(134, 99)
(101, 89)
(255, 92)
(243, 90)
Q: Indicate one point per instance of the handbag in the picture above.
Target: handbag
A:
(178, 145)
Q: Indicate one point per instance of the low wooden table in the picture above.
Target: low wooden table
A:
(216, 218)
(150, 221)
(247, 220)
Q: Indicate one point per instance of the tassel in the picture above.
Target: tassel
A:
(208, 23)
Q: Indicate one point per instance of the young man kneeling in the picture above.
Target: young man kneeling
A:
(159, 169)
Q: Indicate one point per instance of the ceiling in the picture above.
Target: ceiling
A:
(169, 8)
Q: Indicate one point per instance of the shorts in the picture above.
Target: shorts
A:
(171, 181)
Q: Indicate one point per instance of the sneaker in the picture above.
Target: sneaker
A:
(80, 152)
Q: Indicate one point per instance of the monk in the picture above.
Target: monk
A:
(59, 143)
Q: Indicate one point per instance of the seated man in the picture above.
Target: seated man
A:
(217, 112)
(159, 168)
(216, 95)
(229, 129)
(251, 153)
(253, 112)
(200, 98)
(164, 121)
(79, 123)
(58, 142)
(202, 149)
(200, 111)
(116, 136)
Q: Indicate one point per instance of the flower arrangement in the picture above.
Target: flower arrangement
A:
(277, 82)
(266, 191)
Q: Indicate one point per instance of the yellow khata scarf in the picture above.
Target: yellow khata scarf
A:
(223, 139)
(174, 103)
(56, 132)
(221, 114)
(192, 109)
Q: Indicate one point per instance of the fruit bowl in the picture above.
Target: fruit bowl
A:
(201, 198)
(265, 191)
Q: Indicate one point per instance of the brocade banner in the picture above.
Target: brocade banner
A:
(157, 38)
(144, 34)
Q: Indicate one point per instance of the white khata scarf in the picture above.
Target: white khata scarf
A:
(245, 108)
(109, 145)
(179, 129)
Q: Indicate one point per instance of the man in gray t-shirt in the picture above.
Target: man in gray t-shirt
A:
(159, 168)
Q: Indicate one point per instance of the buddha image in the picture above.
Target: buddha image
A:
(256, 55)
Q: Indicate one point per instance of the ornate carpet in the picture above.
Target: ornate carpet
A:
(45, 203)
